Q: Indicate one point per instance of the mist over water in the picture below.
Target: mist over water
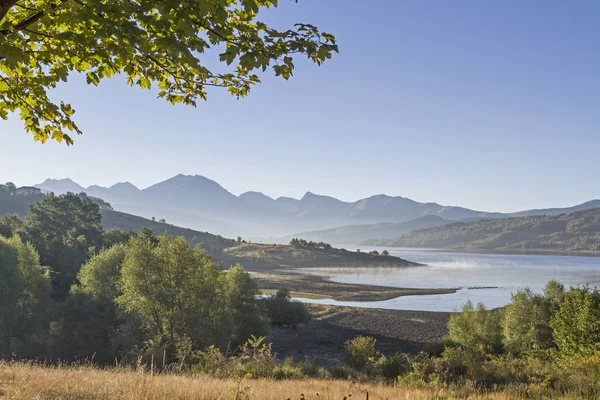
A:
(486, 278)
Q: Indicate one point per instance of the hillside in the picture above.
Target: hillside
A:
(127, 222)
(270, 257)
(356, 234)
(578, 231)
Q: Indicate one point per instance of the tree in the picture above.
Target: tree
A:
(9, 188)
(282, 311)
(175, 290)
(554, 292)
(361, 351)
(9, 294)
(476, 328)
(576, 324)
(87, 322)
(64, 229)
(239, 239)
(24, 294)
(385, 253)
(102, 204)
(246, 315)
(99, 277)
(116, 236)
(526, 322)
(42, 41)
(10, 224)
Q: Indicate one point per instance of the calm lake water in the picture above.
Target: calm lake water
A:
(486, 278)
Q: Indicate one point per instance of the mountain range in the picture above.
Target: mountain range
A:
(200, 203)
(578, 231)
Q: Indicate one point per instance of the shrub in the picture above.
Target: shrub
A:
(476, 329)
(435, 349)
(282, 311)
(576, 324)
(526, 323)
(393, 366)
(361, 351)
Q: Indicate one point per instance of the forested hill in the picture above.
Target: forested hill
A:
(127, 222)
(578, 231)
(11, 203)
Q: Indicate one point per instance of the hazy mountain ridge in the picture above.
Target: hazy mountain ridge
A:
(203, 204)
(356, 234)
(578, 231)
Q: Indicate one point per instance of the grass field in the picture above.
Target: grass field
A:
(20, 381)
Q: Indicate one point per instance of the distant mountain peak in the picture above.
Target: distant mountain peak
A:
(62, 180)
(60, 186)
(313, 196)
(255, 195)
(124, 186)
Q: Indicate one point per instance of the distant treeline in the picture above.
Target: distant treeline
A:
(310, 245)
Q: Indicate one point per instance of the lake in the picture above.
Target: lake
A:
(486, 278)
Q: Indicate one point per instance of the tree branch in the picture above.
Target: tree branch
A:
(6, 5)
(32, 19)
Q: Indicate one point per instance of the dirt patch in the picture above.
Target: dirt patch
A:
(322, 340)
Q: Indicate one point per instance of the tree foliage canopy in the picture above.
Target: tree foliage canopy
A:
(24, 291)
(151, 43)
(64, 229)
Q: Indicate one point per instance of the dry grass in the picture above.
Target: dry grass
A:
(30, 382)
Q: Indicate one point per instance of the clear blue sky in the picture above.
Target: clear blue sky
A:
(492, 105)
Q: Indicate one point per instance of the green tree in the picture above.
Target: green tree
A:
(476, 328)
(9, 188)
(244, 310)
(282, 311)
(385, 253)
(175, 291)
(116, 236)
(10, 224)
(526, 322)
(576, 324)
(42, 41)
(361, 351)
(100, 276)
(554, 292)
(24, 294)
(64, 229)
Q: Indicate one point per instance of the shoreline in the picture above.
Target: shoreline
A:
(524, 252)
(322, 286)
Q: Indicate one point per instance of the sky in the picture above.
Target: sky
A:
(489, 105)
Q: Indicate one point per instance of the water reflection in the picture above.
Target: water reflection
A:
(486, 278)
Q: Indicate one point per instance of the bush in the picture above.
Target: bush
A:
(476, 329)
(282, 311)
(526, 323)
(361, 351)
(393, 366)
(576, 324)
(435, 349)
